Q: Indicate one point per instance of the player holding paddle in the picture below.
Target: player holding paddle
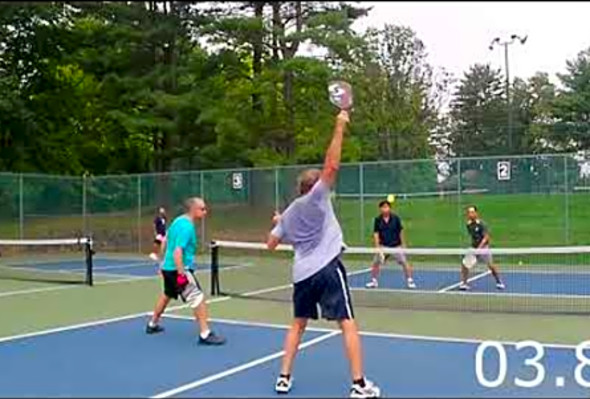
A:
(480, 240)
(388, 232)
(178, 272)
(319, 277)
(160, 234)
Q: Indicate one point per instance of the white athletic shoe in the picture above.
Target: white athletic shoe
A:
(411, 284)
(500, 286)
(370, 390)
(154, 257)
(464, 287)
(372, 284)
(283, 385)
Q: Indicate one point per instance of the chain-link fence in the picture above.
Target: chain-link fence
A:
(540, 200)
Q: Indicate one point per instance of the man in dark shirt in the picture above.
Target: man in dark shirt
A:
(388, 232)
(160, 233)
(480, 239)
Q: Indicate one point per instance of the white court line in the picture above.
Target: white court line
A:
(242, 367)
(250, 323)
(372, 333)
(115, 319)
(469, 280)
(66, 287)
(121, 278)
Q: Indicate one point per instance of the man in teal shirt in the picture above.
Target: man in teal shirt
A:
(178, 272)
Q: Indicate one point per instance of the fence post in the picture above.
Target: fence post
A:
(567, 205)
(362, 202)
(21, 206)
(202, 193)
(139, 213)
(84, 193)
(277, 195)
(459, 207)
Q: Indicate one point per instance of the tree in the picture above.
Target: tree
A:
(396, 93)
(478, 113)
(572, 105)
(532, 103)
(279, 77)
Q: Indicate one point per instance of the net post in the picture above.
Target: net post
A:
(214, 268)
(89, 261)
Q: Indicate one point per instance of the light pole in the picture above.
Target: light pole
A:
(497, 41)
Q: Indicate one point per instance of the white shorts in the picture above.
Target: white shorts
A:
(399, 258)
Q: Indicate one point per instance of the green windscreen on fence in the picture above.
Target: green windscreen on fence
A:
(533, 200)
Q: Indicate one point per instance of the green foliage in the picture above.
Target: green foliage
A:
(479, 112)
(121, 87)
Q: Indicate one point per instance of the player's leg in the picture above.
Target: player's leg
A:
(464, 277)
(291, 346)
(401, 259)
(378, 262)
(195, 298)
(169, 281)
(156, 249)
(487, 258)
(336, 305)
(305, 299)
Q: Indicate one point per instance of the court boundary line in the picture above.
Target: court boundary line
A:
(167, 314)
(469, 280)
(504, 270)
(410, 337)
(242, 367)
(503, 293)
(121, 278)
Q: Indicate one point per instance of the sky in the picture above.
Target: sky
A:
(457, 34)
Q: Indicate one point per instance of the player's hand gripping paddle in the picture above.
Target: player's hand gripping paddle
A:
(340, 93)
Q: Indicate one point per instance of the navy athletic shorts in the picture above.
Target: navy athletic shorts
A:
(328, 288)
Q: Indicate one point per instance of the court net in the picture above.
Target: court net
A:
(63, 261)
(537, 280)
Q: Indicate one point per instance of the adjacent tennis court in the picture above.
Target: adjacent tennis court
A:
(116, 358)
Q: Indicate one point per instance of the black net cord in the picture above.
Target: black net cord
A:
(89, 262)
(214, 268)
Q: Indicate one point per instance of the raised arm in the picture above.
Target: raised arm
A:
(332, 160)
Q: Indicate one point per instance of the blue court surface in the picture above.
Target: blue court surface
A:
(517, 282)
(116, 358)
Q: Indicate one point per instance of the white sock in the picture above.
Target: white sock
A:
(152, 324)
(205, 334)
(410, 280)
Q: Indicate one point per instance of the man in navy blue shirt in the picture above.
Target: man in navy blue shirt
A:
(160, 233)
(388, 232)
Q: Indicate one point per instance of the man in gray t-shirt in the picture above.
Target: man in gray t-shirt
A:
(319, 277)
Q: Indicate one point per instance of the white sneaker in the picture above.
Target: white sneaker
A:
(283, 385)
(500, 286)
(464, 287)
(372, 284)
(411, 284)
(154, 257)
(370, 390)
